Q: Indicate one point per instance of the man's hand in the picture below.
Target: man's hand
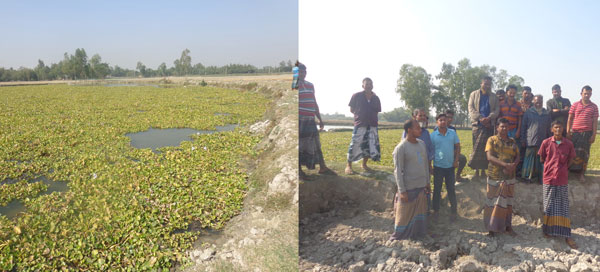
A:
(428, 189)
(455, 164)
(321, 125)
(404, 197)
(593, 139)
(570, 135)
(518, 134)
(555, 110)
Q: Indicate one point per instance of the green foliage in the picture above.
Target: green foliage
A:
(414, 87)
(125, 205)
(397, 115)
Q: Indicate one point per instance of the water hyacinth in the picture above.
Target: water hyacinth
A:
(124, 205)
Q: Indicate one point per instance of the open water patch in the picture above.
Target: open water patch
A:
(154, 138)
(15, 207)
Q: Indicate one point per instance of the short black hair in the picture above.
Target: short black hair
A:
(511, 86)
(527, 88)
(556, 122)
(409, 124)
(499, 91)
(417, 110)
(367, 78)
(450, 112)
(486, 77)
(587, 88)
(556, 87)
(502, 120)
(440, 116)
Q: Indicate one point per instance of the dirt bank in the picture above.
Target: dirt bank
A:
(345, 223)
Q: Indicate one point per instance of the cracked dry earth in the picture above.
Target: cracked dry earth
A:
(345, 224)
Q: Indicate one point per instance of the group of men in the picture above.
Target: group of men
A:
(510, 138)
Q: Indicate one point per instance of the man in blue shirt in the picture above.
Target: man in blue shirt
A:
(446, 149)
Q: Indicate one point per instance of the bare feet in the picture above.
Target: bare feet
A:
(511, 232)
(366, 168)
(491, 234)
(571, 243)
(349, 170)
(327, 171)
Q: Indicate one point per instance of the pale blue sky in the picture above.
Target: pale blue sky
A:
(545, 42)
(258, 32)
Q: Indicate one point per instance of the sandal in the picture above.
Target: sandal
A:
(571, 243)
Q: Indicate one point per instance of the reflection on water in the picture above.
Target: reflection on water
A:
(15, 207)
(336, 128)
(157, 138)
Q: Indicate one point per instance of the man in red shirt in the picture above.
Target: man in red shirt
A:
(581, 129)
(557, 154)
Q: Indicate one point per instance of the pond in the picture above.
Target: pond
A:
(157, 138)
(15, 207)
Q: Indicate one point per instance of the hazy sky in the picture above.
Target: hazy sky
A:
(545, 42)
(257, 32)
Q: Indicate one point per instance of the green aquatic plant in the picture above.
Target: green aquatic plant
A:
(125, 207)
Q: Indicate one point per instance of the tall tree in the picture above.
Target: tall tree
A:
(414, 87)
(140, 67)
(183, 65)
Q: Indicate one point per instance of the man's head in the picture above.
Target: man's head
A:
(557, 128)
(503, 127)
(511, 91)
(538, 101)
(586, 93)
(500, 94)
(449, 117)
(412, 128)
(441, 121)
(420, 115)
(367, 84)
(301, 70)
(527, 95)
(556, 91)
(486, 83)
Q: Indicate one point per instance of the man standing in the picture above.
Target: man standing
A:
(420, 115)
(365, 138)
(557, 154)
(535, 129)
(558, 106)
(512, 111)
(526, 98)
(447, 147)
(503, 155)
(483, 110)
(309, 144)
(462, 160)
(581, 128)
(411, 172)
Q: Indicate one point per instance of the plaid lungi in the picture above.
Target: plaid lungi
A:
(309, 145)
(497, 213)
(410, 217)
(364, 144)
(581, 142)
(478, 158)
(556, 210)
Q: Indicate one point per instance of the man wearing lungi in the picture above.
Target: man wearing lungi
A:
(534, 130)
(503, 155)
(365, 138)
(309, 144)
(581, 129)
(526, 103)
(483, 111)
(411, 171)
(557, 154)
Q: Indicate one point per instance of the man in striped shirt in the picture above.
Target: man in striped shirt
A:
(581, 129)
(511, 109)
(309, 144)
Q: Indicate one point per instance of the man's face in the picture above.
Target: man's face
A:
(500, 96)
(486, 85)
(421, 116)
(301, 74)
(511, 94)
(415, 130)
(503, 129)
(449, 119)
(556, 93)
(367, 85)
(527, 96)
(557, 130)
(538, 102)
(442, 122)
(586, 95)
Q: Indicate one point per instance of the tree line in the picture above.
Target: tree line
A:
(79, 66)
(454, 85)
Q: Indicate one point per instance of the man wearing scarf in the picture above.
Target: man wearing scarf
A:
(483, 111)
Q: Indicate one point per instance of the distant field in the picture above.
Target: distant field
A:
(335, 147)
